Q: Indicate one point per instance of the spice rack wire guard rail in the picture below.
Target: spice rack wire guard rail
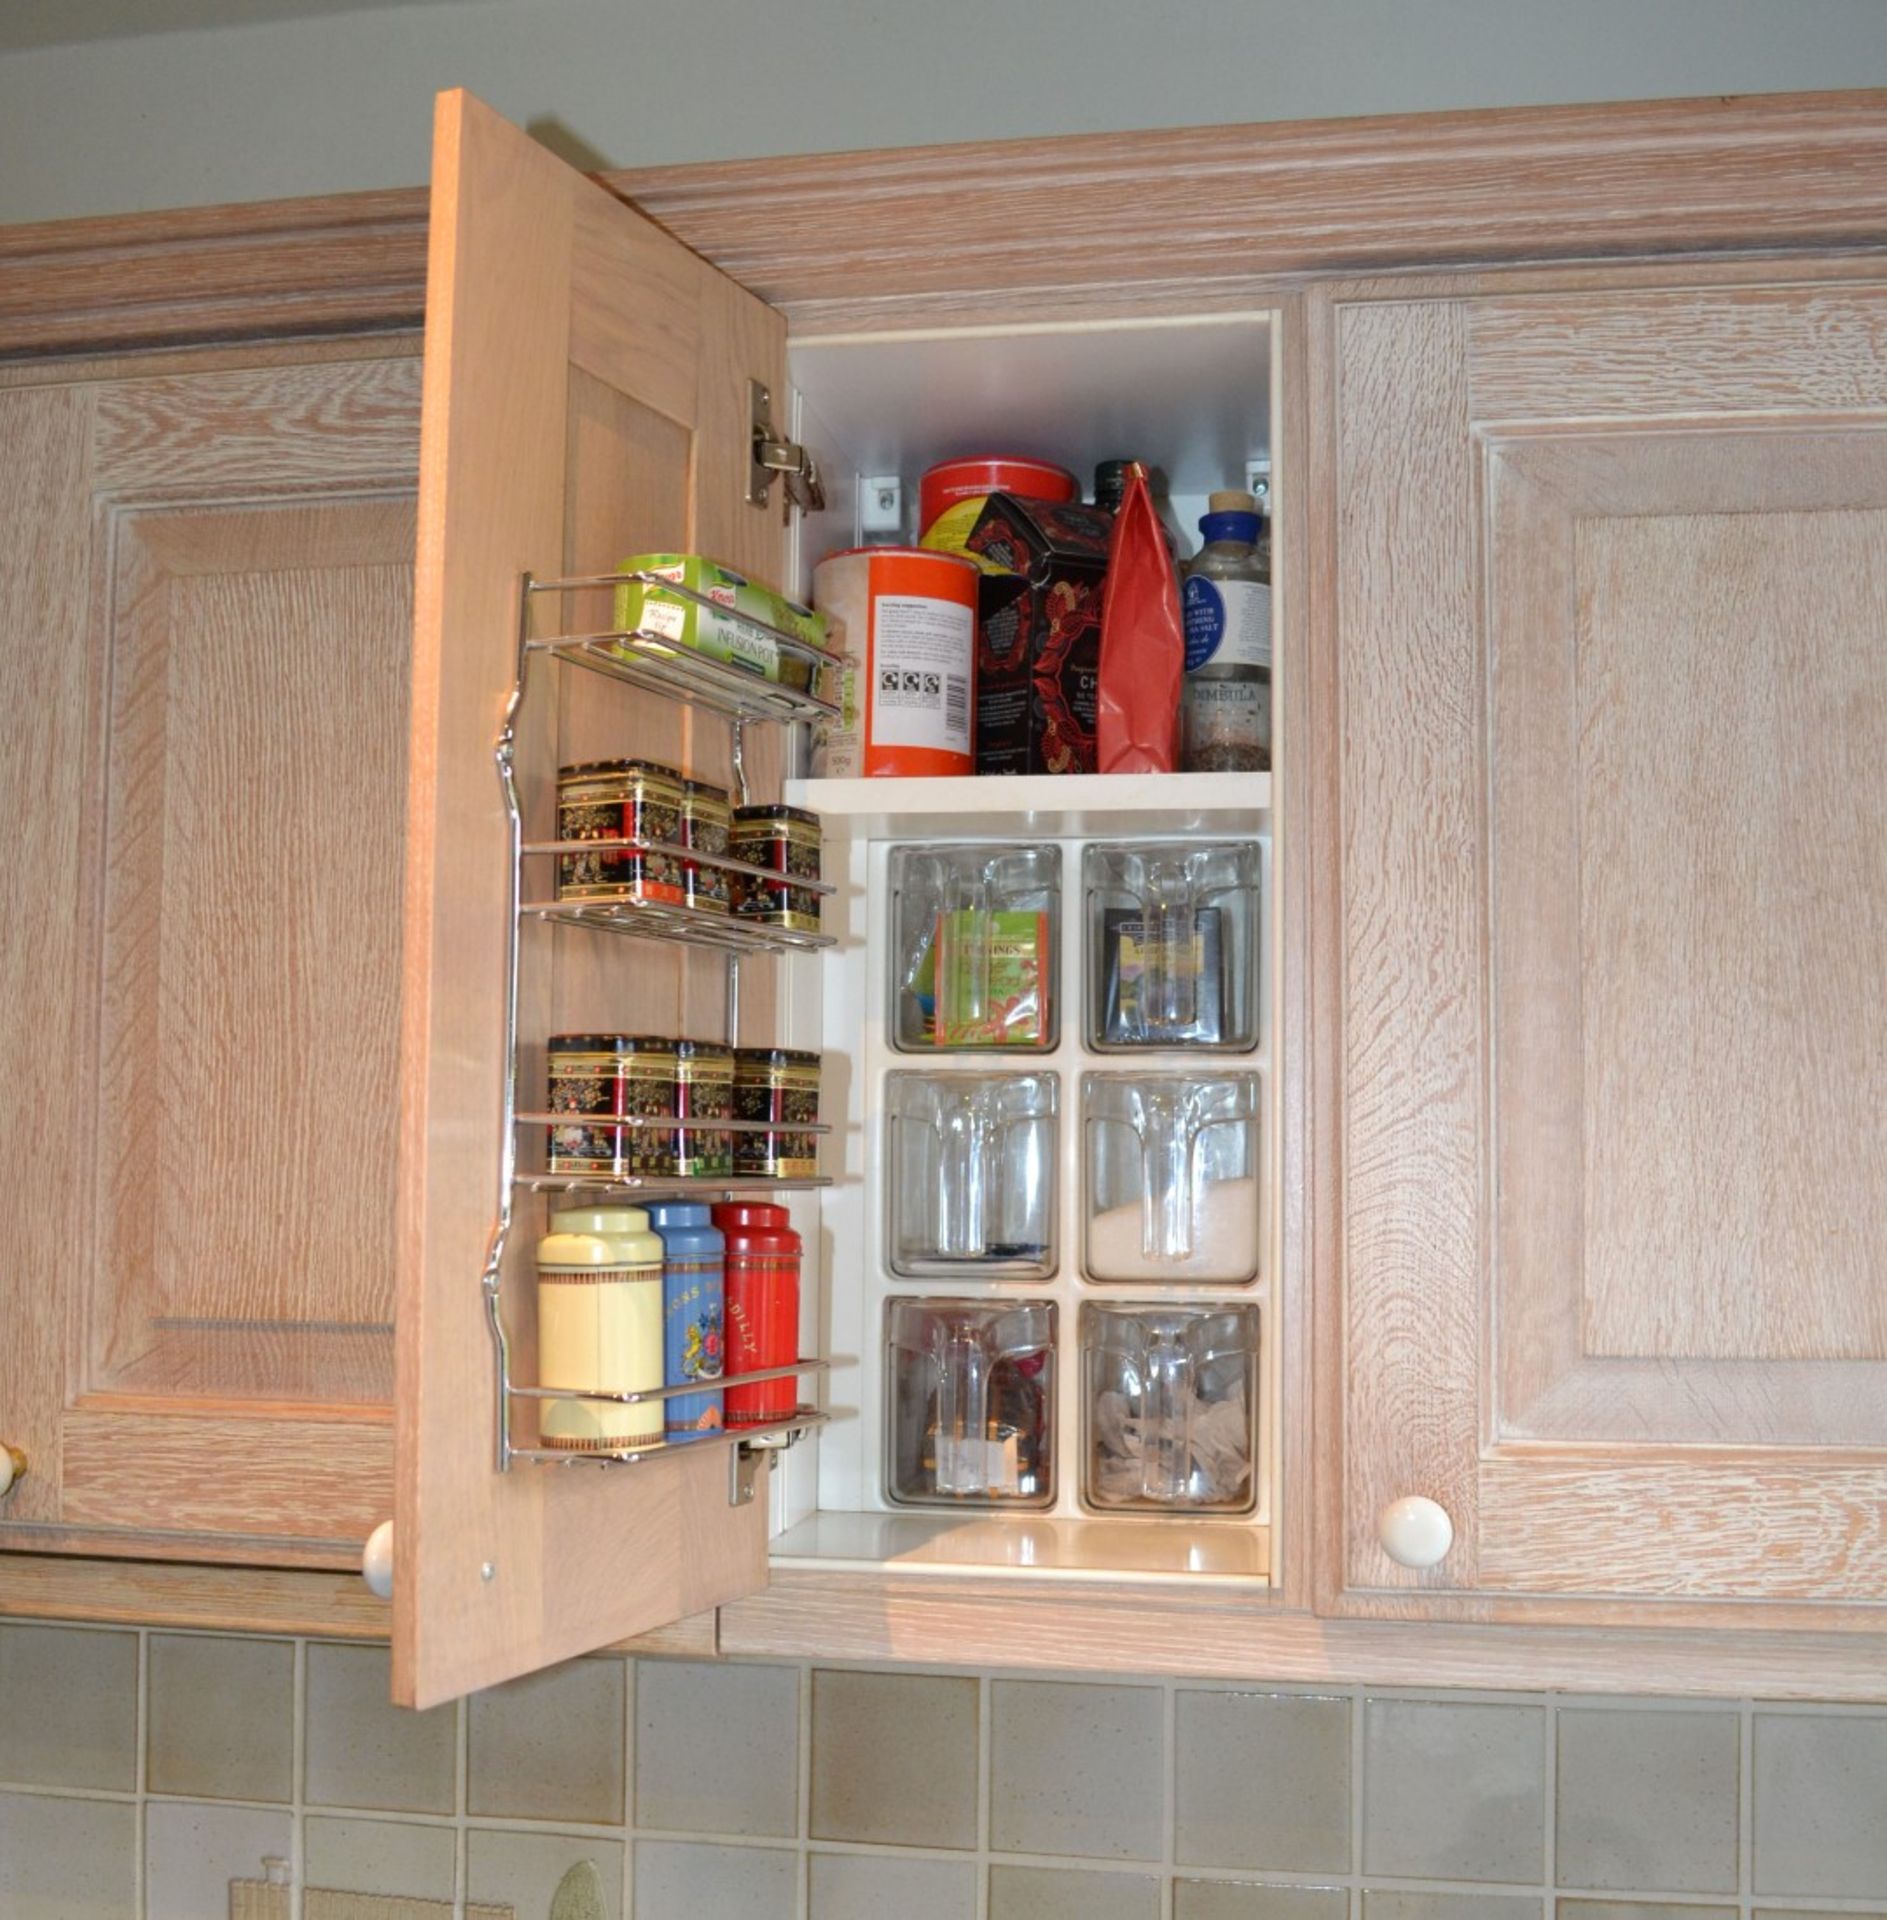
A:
(653, 661)
(721, 862)
(771, 1433)
(714, 1383)
(743, 1439)
(744, 1446)
(656, 920)
(657, 1186)
(654, 664)
(670, 1123)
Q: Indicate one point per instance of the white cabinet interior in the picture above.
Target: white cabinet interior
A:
(1196, 398)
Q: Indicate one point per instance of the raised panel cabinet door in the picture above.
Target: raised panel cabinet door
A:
(1603, 692)
(205, 607)
(586, 398)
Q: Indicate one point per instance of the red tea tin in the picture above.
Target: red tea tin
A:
(951, 481)
(762, 1308)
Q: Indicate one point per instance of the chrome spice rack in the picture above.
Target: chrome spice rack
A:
(654, 664)
(654, 919)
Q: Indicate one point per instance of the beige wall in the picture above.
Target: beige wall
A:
(140, 1772)
(340, 98)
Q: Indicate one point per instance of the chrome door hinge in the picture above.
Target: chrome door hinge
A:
(743, 1468)
(771, 454)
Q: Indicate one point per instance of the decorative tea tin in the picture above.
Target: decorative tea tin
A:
(780, 1087)
(694, 1339)
(599, 1327)
(704, 1090)
(599, 1077)
(621, 800)
(763, 1255)
(785, 840)
(706, 827)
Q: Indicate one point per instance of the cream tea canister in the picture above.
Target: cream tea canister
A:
(599, 1328)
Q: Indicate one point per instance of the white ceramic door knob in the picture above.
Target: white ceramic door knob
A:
(1415, 1531)
(12, 1465)
(376, 1561)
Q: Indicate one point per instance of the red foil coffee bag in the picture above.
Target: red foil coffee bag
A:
(1143, 646)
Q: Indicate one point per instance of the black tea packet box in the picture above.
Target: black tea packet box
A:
(1163, 978)
(1038, 634)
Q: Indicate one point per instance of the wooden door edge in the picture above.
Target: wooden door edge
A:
(244, 1599)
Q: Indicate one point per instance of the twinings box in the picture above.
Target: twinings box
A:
(717, 630)
(1038, 633)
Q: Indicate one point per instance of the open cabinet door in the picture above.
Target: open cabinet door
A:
(586, 397)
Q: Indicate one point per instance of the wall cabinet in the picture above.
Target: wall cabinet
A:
(1602, 954)
(1573, 912)
(207, 628)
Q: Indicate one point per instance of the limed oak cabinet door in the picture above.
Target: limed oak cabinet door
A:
(1601, 697)
(206, 618)
(587, 396)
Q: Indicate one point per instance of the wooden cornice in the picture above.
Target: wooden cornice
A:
(1284, 201)
(905, 231)
(276, 269)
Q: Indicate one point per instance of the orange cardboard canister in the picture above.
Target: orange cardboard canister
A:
(906, 620)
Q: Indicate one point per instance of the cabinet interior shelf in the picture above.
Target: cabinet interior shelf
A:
(1039, 805)
(657, 920)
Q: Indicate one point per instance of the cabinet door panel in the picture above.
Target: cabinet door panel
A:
(586, 398)
(249, 1023)
(1614, 898)
(210, 631)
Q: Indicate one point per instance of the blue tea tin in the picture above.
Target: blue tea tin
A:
(693, 1281)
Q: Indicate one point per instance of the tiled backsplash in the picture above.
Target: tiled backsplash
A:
(141, 1771)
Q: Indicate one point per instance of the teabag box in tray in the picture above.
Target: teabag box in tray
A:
(719, 631)
(1038, 633)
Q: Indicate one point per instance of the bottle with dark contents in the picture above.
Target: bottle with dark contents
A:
(1110, 489)
(1226, 708)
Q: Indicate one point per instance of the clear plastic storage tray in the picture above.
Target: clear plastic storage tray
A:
(975, 931)
(1171, 1166)
(971, 1163)
(1172, 954)
(971, 1407)
(1169, 1408)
